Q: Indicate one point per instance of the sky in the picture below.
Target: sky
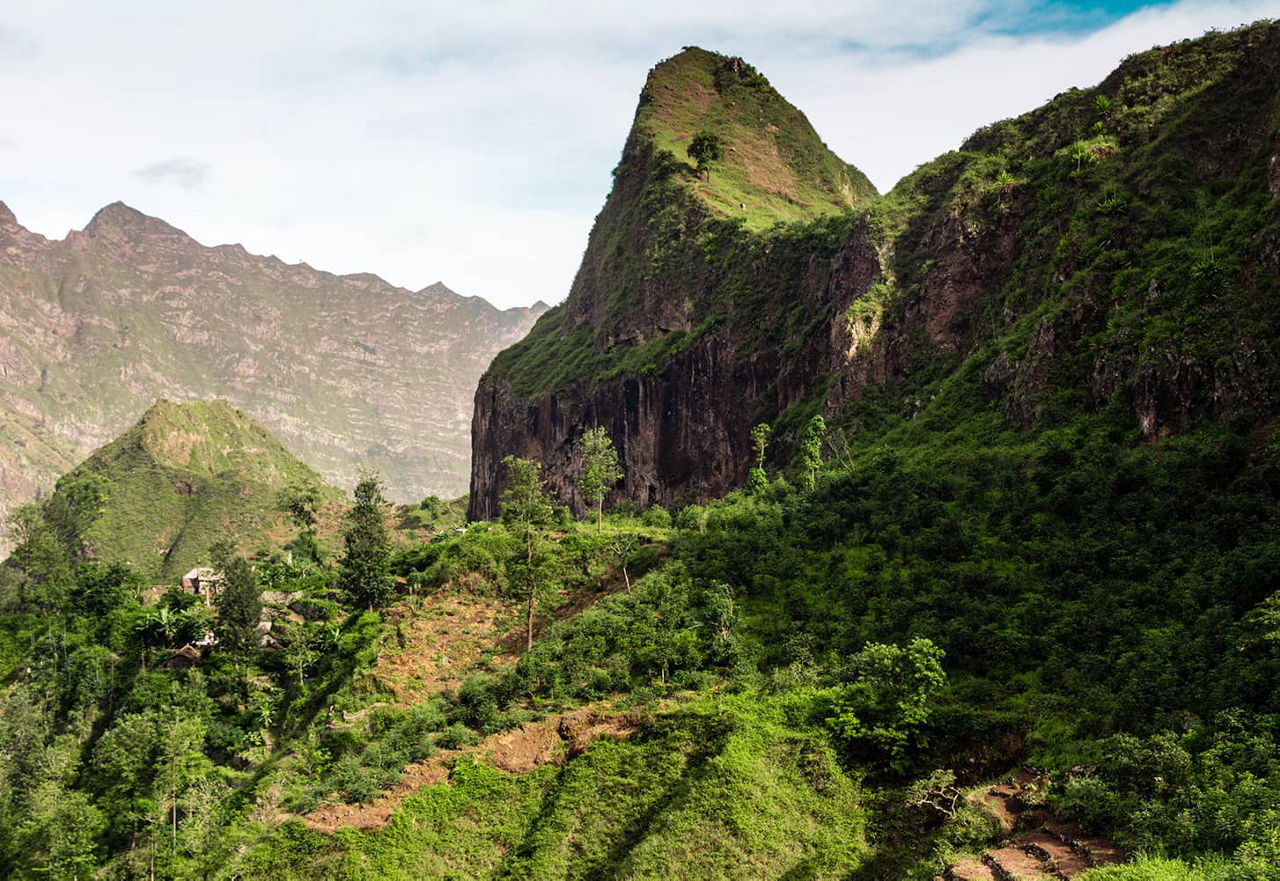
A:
(472, 143)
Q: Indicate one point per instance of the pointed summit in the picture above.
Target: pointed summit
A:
(119, 221)
(183, 475)
(772, 164)
(7, 217)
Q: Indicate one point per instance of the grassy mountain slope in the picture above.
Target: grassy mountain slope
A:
(1036, 544)
(671, 276)
(773, 162)
(183, 476)
(1115, 248)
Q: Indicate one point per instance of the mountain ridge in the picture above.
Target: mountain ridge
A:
(116, 315)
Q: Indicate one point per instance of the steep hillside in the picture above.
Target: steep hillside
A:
(669, 277)
(348, 371)
(183, 476)
(1117, 247)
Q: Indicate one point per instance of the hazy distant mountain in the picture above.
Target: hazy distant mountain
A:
(348, 371)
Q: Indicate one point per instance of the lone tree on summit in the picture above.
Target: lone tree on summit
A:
(600, 470)
(704, 149)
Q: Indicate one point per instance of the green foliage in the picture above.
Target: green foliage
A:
(365, 564)
(526, 506)
(705, 150)
(239, 602)
(809, 451)
(599, 470)
(760, 435)
(1106, 602)
(525, 503)
(880, 714)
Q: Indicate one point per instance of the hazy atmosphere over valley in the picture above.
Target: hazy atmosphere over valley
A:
(701, 440)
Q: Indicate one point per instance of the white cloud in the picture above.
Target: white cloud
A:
(472, 143)
(186, 173)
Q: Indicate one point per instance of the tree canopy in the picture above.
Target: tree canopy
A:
(365, 576)
(599, 470)
(705, 149)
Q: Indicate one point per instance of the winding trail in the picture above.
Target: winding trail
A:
(1038, 845)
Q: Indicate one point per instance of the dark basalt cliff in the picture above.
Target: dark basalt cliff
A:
(1116, 248)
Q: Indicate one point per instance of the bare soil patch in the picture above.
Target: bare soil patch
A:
(553, 740)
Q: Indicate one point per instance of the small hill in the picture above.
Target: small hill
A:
(184, 475)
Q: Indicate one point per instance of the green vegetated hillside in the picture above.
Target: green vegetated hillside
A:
(1117, 246)
(772, 166)
(185, 475)
(714, 275)
(1012, 609)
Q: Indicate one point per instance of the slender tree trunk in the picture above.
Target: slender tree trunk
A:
(600, 515)
(173, 787)
(528, 645)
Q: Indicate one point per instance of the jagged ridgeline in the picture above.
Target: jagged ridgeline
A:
(1116, 248)
(182, 477)
(349, 371)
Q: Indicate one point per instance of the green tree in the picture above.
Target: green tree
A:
(526, 507)
(811, 449)
(365, 565)
(60, 833)
(880, 714)
(45, 576)
(705, 149)
(240, 602)
(599, 470)
(757, 480)
(301, 501)
(301, 651)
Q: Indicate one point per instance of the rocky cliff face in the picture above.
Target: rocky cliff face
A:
(1112, 250)
(348, 371)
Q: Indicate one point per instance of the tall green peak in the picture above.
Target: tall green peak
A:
(772, 167)
(182, 476)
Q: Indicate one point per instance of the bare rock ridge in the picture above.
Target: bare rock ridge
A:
(1057, 263)
(349, 371)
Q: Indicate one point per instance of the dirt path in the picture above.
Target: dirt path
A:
(1038, 844)
(554, 740)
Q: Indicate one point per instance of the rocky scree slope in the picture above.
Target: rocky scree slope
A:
(1116, 248)
(348, 371)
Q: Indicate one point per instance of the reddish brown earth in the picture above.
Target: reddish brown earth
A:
(1038, 844)
(553, 740)
(435, 647)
